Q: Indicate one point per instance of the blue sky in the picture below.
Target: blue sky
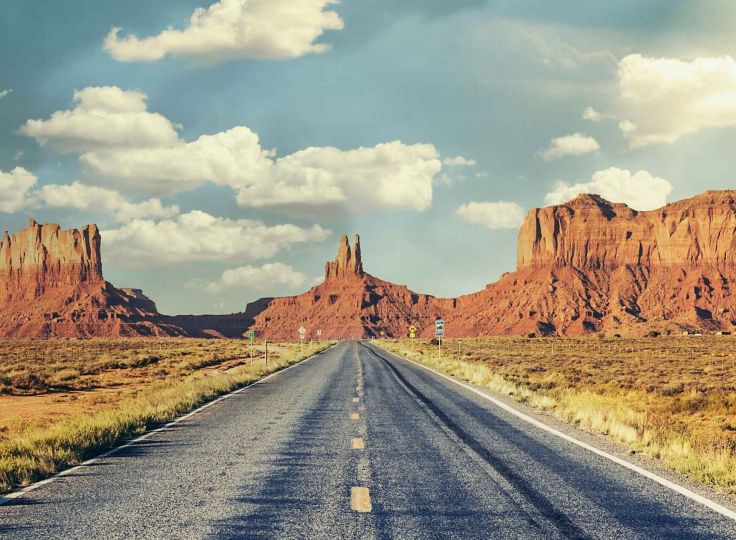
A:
(368, 108)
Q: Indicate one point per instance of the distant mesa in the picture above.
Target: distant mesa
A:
(350, 303)
(51, 284)
(585, 266)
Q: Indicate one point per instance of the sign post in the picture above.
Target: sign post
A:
(439, 333)
(251, 337)
(412, 335)
(302, 332)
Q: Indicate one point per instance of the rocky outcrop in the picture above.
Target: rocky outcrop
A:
(51, 284)
(590, 232)
(349, 304)
(43, 258)
(348, 264)
(585, 266)
(591, 265)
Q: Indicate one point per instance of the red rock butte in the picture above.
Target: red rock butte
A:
(51, 284)
(585, 266)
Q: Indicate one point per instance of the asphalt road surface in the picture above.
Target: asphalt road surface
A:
(356, 443)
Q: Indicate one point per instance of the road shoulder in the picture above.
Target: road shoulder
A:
(598, 441)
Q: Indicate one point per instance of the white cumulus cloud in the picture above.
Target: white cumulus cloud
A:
(494, 215)
(198, 236)
(101, 200)
(575, 144)
(19, 191)
(459, 161)
(228, 29)
(103, 117)
(14, 188)
(593, 115)
(5, 93)
(641, 191)
(257, 278)
(663, 99)
(123, 144)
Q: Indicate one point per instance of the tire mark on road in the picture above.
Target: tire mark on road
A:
(540, 510)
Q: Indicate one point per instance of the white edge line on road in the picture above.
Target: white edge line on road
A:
(541, 425)
(8, 497)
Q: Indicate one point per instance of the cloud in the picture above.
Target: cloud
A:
(14, 187)
(101, 200)
(120, 142)
(576, 144)
(459, 161)
(641, 191)
(198, 236)
(257, 278)
(18, 192)
(562, 56)
(663, 99)
(391, 175)
(594, 116)
(103, 117)
(494, 215)
(6, 93)
(229, 29)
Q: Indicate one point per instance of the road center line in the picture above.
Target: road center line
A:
(354, 416)
(357, 444)
(360, 499)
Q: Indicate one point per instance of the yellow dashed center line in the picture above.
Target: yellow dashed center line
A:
(354, 416)
(357, 444)
(360, 499)
(355, 400)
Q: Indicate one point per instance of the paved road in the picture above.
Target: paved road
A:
(281, 459)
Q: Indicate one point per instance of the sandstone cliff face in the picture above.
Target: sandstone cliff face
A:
(348, 304)
(591, 265)
(51, 284)
(590, 232)
(348, 264)
(43, 258)
(585, 266)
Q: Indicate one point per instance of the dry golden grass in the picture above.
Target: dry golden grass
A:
(64, 401)
(672, 398)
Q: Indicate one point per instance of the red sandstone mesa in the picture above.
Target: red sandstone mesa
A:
(348, 304)
(585, 266)
(51, 284)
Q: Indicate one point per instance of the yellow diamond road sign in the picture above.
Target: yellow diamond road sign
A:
(413, 329)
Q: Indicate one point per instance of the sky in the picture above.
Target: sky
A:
(224, 147)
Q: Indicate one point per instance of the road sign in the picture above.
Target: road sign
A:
(383, 334)
(319, 333)
(302, 332)
(252, 336)
(412, 329)
(412, 335)
(439, 328)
